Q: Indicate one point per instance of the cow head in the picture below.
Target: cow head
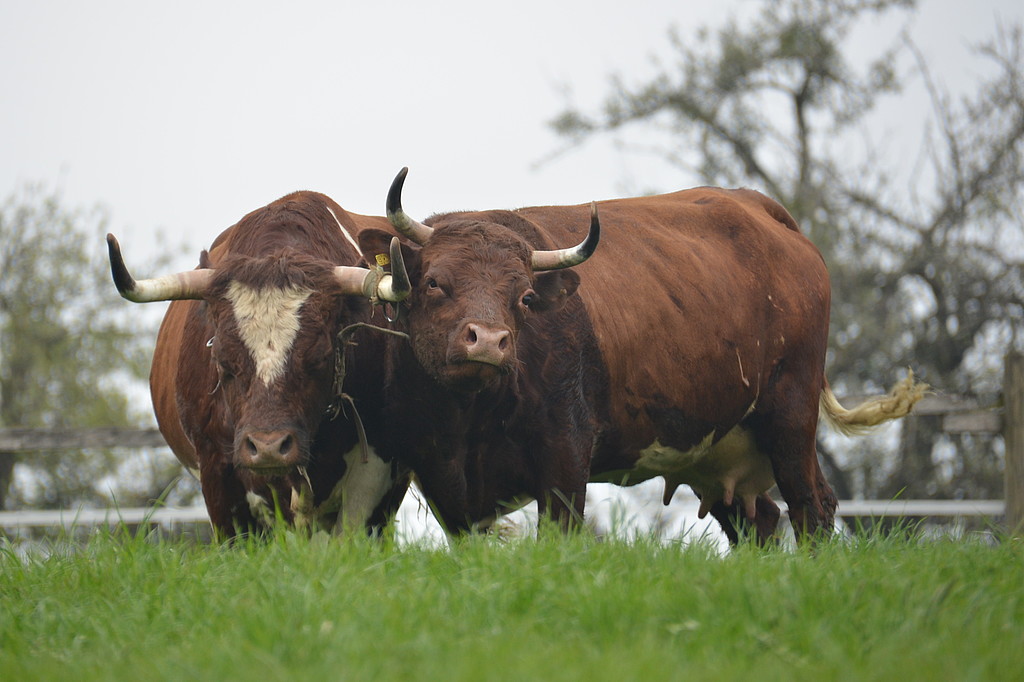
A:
(272, 324)
(475, 285)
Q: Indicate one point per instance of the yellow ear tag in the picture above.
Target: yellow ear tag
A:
(382, 259)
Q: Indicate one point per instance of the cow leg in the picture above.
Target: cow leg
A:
(790, 445)
(812, 504)
(444, 489)
(728, 518)
(225, 499)
(766, 520)
(561, 488)
(565, 509)
(736, 525)
(828, 497)
(384, 514)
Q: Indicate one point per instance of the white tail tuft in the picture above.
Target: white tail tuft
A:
(872, 412)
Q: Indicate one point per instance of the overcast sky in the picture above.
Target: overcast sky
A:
(182, 116)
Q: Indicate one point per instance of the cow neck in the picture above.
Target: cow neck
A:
(340, 398)
(414, 388)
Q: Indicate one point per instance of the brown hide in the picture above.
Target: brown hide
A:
(693, 350)
(712, 296)
(163, 381)
(484, 435)
(710, 311)
(298, 236)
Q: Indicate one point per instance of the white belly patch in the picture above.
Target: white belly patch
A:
(359, 491)
(725, 470)
(354, 497)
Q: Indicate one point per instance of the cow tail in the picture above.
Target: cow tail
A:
(872, 412)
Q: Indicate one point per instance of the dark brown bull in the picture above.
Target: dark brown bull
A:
(489, 403)
(246, 362)
(694, 350)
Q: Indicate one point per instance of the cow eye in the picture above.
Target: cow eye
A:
(528, 298)
(433, 286)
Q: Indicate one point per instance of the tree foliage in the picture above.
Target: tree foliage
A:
(926, 269)
(70, 355)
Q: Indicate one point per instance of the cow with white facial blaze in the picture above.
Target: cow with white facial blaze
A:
(694, 350)
(246, 380)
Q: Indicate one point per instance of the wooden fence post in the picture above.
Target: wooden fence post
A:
(1013, 434)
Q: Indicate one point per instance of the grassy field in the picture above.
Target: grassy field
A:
(559, 608)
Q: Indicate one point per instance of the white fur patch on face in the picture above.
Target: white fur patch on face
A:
(268, 321)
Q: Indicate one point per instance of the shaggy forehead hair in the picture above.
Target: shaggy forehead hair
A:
(479, 239)
(277, 271)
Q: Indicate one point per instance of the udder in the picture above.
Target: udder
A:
(726, 470)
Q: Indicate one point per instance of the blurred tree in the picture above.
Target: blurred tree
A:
(70, 355)
(926, 271)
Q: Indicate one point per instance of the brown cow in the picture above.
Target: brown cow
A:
(247, 361)
(489, 404)
(694, 350)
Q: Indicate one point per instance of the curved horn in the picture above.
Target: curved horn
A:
(191, 284)
(393, 287)
(396, 286)
(416, 231)
(566, 258)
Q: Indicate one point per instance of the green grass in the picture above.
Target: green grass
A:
(559, 608)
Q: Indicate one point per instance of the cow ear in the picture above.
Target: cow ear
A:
(376, 245)
(553, 289)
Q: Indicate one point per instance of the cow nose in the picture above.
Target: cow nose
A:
(486, 344)
(269, 450)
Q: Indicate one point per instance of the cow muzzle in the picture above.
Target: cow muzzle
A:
(478, 355)
(269, 453)
(482, 343)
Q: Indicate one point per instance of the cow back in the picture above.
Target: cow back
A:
(695, 298)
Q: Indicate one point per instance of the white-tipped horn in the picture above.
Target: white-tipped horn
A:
(392, 287)
(566, 258)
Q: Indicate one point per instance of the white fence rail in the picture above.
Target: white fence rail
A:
(73, 518)
(879, 508)
(68, 519)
